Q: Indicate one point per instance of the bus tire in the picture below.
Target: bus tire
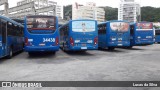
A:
(130, 47)
(54, 52)
(30, 53)
(10, 53)
(111, 48)
(63, 48)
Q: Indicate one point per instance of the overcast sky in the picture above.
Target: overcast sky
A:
(111, 3)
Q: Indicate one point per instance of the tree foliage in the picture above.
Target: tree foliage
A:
(148, 13)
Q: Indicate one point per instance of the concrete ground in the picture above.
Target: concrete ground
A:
(142, 63)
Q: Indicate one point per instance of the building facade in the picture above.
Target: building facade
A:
(90, 11)
(39, 4)
(129, 10)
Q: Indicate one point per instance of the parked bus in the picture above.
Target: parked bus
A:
(79, 35)
(41, 33)
(11, 37)
(113, 34)
(141, 33)
(157, 36)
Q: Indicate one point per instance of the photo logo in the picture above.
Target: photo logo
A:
(6, 84)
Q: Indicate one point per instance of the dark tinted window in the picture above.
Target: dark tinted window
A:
(102, 29)
(132, 29)
(157, 32)
(0, 27)
(41, 24)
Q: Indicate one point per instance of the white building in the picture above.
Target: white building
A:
(129, 10)
(90, 11)
(38, 4)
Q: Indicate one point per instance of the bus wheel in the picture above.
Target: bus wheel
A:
(111, 48)
(30, 53)
(130, 47)
(63, 48)
(10, 54)
(53, 52)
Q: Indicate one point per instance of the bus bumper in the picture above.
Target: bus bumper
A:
(35, 49)
(113, 44)
(75, 48)
(144, 43)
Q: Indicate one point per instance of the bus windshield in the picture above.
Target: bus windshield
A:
(83, 26)
(144, 26)
(119, 26)
(41, 23)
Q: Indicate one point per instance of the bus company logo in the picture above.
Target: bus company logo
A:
(6, 84)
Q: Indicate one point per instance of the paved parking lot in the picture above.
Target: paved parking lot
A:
(137, 64)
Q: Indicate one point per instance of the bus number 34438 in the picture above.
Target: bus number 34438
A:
(48, 39)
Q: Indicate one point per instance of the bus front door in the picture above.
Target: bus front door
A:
(4, 39)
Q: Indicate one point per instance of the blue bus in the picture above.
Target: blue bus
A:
(41, 33)
(141, 33)
(11, 37)
(157, 36)
(113, 34)
(79, 35)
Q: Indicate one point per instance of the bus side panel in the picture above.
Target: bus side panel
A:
(157, 38)
(15, 42)
(102, 40)
(0, 45)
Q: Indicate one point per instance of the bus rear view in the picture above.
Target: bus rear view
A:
(41, 33)
(82, 35)
(114, 34)
(142, 33)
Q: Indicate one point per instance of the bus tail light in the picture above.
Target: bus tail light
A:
(57, 41)
(95, 40)
(71, 41)
(26, 41)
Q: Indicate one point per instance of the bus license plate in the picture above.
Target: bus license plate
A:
(120, 44)
(83, 47)
(42, 44)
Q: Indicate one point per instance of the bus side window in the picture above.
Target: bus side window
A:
(157, 32)
(14, 31)
(22, 31)
(132, 29)
(4, 23)
(9, 28)
(102, 29)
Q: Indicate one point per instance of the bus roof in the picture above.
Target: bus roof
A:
(76, 20)
(139, 22)
(113, 21)
(40, 15)
(10, 20)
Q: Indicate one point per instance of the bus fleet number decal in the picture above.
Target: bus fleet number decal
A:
(48, 39)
